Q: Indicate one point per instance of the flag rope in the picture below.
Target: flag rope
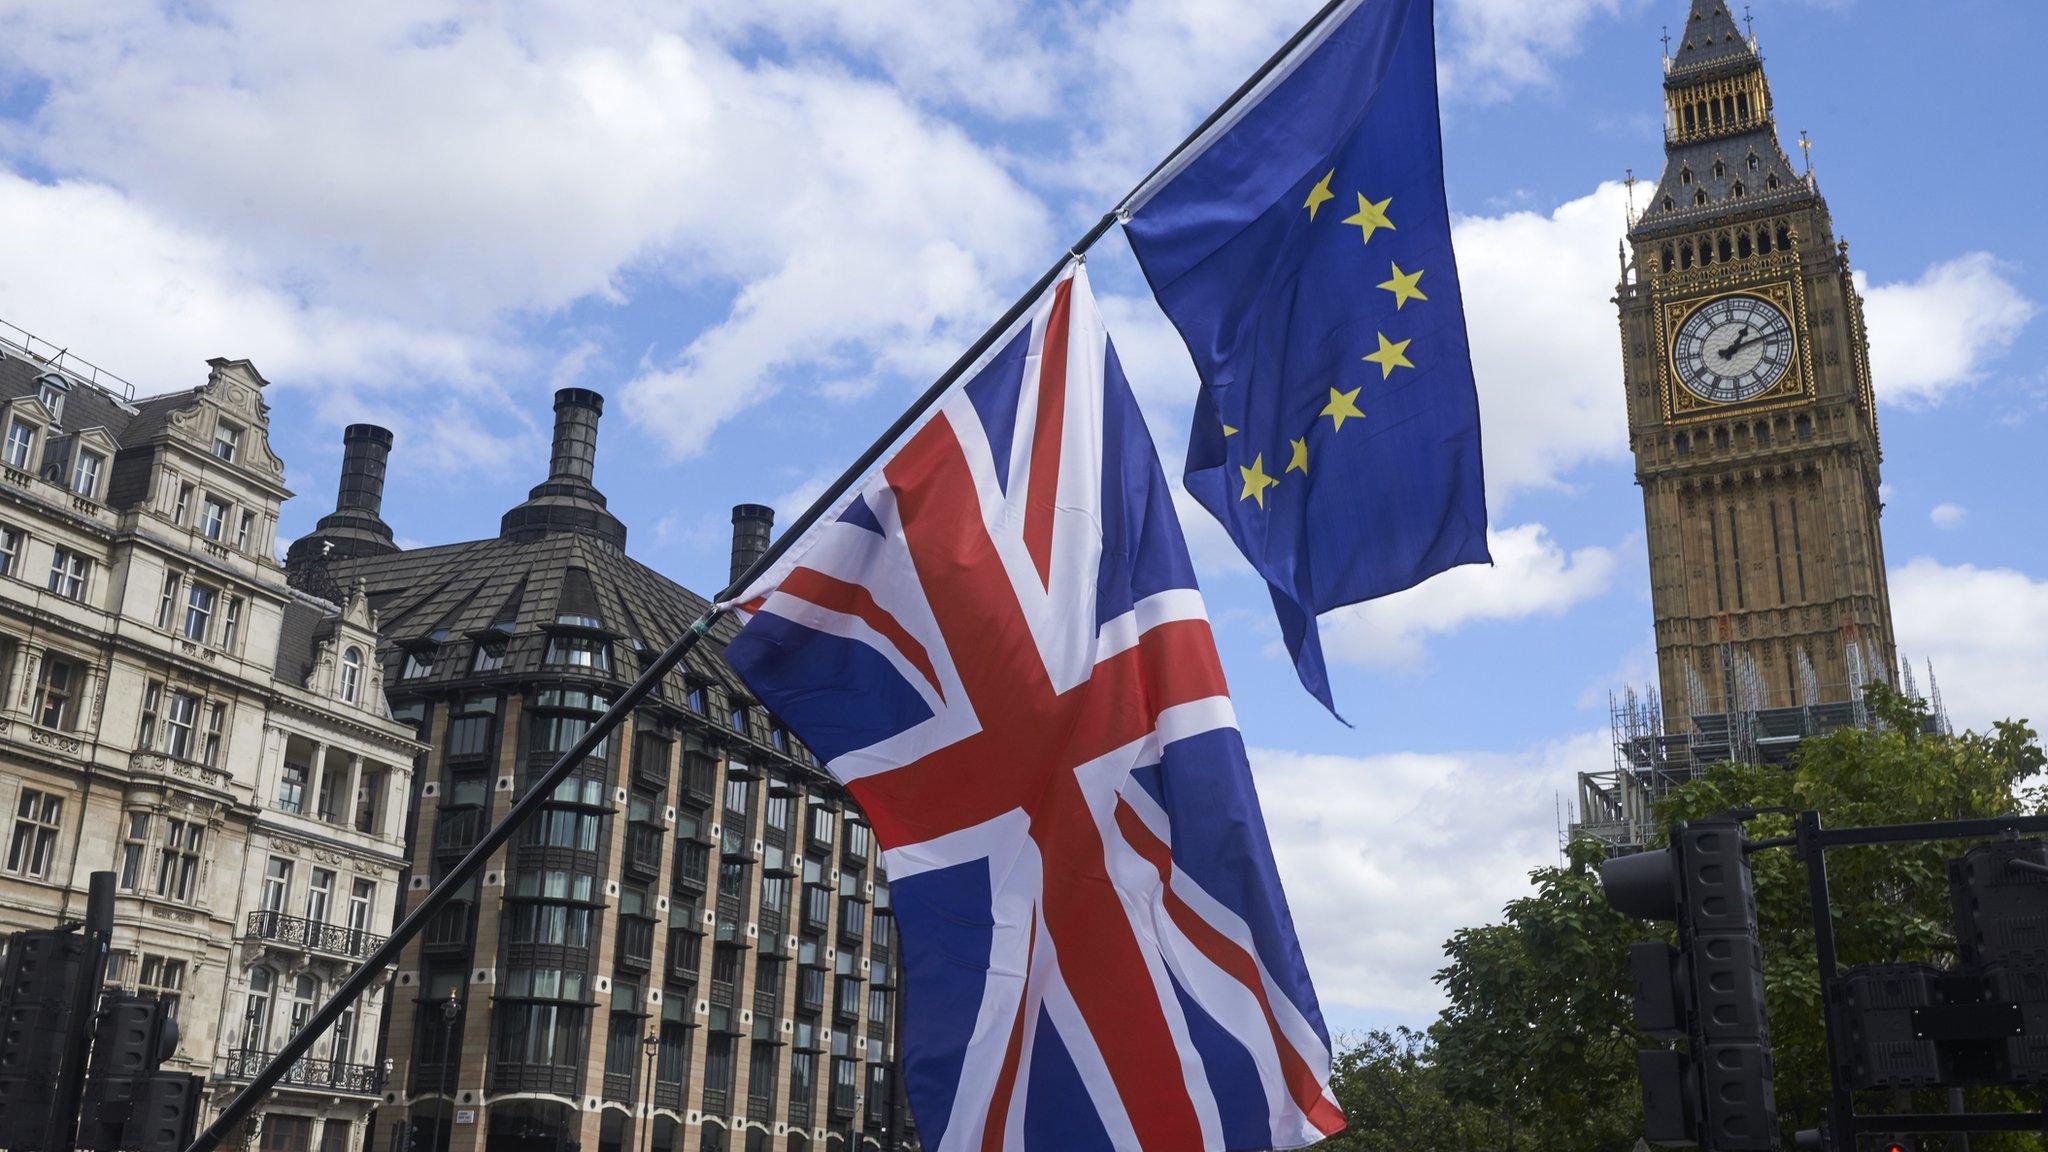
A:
(243, 1103)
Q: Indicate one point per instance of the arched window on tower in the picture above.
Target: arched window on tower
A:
(1720, 170)
(1802, 426)
(1742, 248)
(1700, 197)
(1771, 181)
(1690, 124)
(1763, 241)
(1668, 258)
(1706, 252)
(1727, 251)
(1753, 162)
(1685, 176)
(1685, 255)
(1784, 238)
(1737, 190)
(1742, 105)
(1669, 203)
(351, 674)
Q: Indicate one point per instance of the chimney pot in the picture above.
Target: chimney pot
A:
(575, 451)
(365, 449)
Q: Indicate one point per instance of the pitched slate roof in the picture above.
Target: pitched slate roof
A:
(1710, 38)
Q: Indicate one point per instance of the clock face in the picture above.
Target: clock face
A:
(1732, 349)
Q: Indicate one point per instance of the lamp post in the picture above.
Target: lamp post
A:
(652, 1043)
(853, 1123)
(451, 1010)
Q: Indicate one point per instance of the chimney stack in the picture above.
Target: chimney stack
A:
(567, 501)
(575, 453)
(364, 450)
(751, 524)
(356, 527)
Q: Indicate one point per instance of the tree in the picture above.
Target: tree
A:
(1392, 1093)
(1536, 1047)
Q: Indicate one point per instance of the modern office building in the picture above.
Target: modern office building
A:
(690, 947)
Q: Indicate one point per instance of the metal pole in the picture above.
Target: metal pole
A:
(1841, 1119)
(541, 789)
(70, 1086)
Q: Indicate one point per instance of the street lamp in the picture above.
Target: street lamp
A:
(652, 1043)
(451, 1010)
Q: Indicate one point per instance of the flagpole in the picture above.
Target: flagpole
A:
(358, 982)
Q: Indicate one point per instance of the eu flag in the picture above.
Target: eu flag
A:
(1304, 252)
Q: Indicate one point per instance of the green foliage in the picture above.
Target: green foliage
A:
(1536, 1047)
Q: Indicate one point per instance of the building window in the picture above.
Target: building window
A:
(68, 573)
(56, 684)
(291, 789)
(21, 445)
(695, 698)
(738, 718)
(134, 847)
(213, 518)
(10, 549)
(230, 622)
(177, 867)
(580, 652)
(362, 905)
(564, 715)
(227, 441)
(85, 473)
(245, 528)
(180, 715)
(152, 704)
(216, 726)
(469, 732)
(183, 507)
(163, 978)
(167, 606)
(256, 1013)
(199, 601)
(277, 884)
(351, 674)
(33, 847)
(418, 662)
(490, 656)
(319, 895)
(50, 390)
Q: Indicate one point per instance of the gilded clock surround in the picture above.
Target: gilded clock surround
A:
(1683, 406)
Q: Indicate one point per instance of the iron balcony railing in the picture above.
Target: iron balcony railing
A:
(324, 1075)
(299, 932)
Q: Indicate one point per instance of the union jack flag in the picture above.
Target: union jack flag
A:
(996, 643)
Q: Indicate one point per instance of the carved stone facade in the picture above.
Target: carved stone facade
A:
(1750, 407)
(144, 720)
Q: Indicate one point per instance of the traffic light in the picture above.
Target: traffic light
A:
(129, 1105)
(1707, 992)
(48, 976)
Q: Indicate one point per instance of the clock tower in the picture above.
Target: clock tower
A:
(1749, 406)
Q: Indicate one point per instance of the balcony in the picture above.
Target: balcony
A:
(318, 1075)
(312, 936)
(643, 849)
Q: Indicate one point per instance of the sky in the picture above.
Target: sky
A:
(760, 228)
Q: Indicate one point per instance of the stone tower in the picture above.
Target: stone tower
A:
(1749, 402)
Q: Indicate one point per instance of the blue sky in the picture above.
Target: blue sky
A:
(759, 229)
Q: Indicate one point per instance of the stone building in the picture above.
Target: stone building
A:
(690, 947)
(144, 723)
(1751, 416)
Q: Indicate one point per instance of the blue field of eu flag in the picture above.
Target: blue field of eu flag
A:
(1304, 252)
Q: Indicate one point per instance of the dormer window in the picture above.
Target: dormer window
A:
(21, 444)
(351, 674)
(1669, 204)
(1771, 181)
(1720, 170)
(85, 474)
(419, 662)
(50, 390)
(1685, 176)
(1754, 163)
(490, 656)
(576, 620)
(1737, 190)
(580, 652)
(227, 441)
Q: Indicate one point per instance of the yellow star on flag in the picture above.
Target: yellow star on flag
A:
(1392, 354)
(1320, 194)
(1299, 461)
(1256, 481)
(1370, 217)
(1341, 405)
(1229, 431)
(1403, 287)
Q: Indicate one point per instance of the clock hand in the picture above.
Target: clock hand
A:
(1741, 339)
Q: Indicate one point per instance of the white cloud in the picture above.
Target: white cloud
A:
(1935, 334)
(1532, 575)
(1986, 632)
(1500, 46)
(1949, 515)
(1537, 305)
(1384, 856)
